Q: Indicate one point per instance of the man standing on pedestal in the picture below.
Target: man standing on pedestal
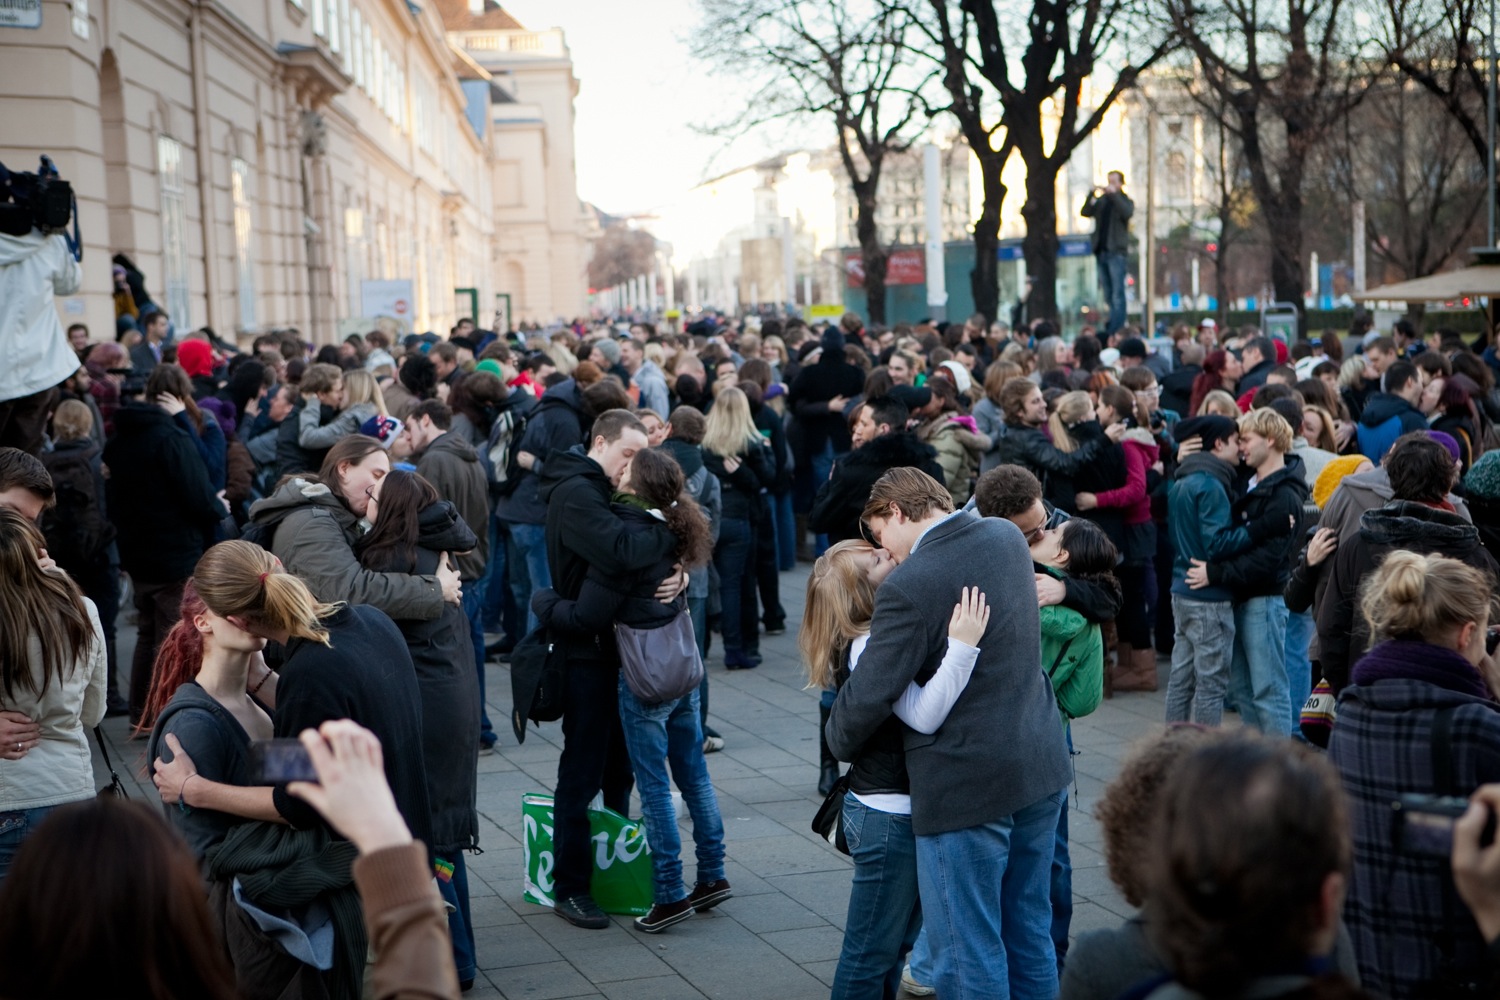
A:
(1111, 208)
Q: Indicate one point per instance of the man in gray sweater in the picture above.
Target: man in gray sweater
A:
(986, 788)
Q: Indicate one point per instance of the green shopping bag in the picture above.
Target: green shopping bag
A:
(621, 882)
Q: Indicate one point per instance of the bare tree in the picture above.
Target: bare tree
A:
(621, 254)
(848, 63)
(1286, 75)
(1020, 85)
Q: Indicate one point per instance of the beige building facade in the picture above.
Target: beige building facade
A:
(261, 161)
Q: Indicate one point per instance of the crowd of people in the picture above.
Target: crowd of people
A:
(331, 543)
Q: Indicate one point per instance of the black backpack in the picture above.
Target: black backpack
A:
(77, 532)
(500, 451)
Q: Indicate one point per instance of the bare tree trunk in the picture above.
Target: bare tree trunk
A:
(984, 279)
(872, 253)
(1041, 243)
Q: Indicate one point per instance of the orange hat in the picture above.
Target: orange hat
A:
(1333, 473)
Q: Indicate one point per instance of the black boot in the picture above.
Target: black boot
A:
(113, 704)
(829, 774)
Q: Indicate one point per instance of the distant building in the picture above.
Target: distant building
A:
(540, 225)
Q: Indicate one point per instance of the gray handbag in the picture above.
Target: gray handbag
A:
(660, 664)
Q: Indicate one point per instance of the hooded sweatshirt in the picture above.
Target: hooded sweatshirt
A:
(452, 466)
(810, 393)
(33, 269)
(1386, 417)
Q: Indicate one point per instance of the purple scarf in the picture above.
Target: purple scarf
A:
(1405, 659)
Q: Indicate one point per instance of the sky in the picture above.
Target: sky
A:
(640, 93)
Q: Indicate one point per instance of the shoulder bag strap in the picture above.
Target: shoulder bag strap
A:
(116, 786)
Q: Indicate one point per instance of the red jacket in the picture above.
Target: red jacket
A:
(1140, 454)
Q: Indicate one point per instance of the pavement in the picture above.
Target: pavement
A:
(779, 937)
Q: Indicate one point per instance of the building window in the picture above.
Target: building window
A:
(320, 18)
(1177, 177)
(244, 258)
(357, 47)
(173, 229)
(369, 58)
(354, 257)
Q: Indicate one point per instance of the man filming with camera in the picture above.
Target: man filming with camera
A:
(36, 264)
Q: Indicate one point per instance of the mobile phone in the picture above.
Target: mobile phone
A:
(1491, 639)
(275, 762)
(1424, 824)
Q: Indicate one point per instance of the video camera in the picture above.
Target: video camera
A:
(42, 200)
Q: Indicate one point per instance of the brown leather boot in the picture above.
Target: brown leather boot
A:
(1138, 671)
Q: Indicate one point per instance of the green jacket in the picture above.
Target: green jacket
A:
(1073, 657)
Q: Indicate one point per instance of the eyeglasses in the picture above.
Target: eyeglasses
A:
(1035, 534)
(370, 494)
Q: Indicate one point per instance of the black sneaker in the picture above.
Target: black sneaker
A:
(664, 915)
(707, 895)
(582, 911)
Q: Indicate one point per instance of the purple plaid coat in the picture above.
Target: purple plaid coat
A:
(1382, 747)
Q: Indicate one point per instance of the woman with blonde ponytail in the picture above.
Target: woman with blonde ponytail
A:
(1419, 718)
(213, 693)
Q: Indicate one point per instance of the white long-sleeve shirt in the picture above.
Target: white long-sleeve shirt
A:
(923, 707)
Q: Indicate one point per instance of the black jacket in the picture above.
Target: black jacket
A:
(809, 394)
(1111, 213)
(158, 495)
(1276, 502)
(584, 533)
(840, 501)
(743, 499)
(365, 674)
(770, 425)
(605, 599)
(558, 422)
(442, 654)
(1400, 524)
(878, 767)
(1031, 449)
(290, 455)
(1177, 389)
(1255, 377)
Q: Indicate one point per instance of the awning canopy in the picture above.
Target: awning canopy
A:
(1481, 279)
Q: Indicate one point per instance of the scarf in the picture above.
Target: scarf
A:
(1412, 659)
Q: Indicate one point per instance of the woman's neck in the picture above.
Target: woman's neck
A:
(224, 674)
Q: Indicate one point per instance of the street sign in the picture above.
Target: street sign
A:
(385, 298)
(20, 13)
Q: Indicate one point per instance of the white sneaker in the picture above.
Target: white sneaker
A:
(913, 987)
(713, 744)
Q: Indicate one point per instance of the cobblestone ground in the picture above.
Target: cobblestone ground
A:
(779, 936)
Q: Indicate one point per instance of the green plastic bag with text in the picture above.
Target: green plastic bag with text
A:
(621, 882)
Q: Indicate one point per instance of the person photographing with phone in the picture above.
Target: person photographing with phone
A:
(1419, 719)
(1111, 208)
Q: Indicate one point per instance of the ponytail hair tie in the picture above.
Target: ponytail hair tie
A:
(263, 577)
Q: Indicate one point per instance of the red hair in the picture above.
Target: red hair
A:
(1211, 378)
(178, 660)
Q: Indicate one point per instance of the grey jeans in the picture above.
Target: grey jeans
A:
(1200, 660)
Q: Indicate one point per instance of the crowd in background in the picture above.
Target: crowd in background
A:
(1303, 534)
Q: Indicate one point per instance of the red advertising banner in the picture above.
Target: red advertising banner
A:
(906, 267)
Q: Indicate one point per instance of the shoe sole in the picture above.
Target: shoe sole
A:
(662, 925)
(710, 901)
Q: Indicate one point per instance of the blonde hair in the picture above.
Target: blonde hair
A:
(1325, 440)
(243, 580)
(1071, 407)
(778, 345)
(1414, 596)
(729, 429)
(840, 603)
(995, 377)
(1352, 371)
(360, 387)
(1270, 425)
(1220, 404)
(72, 421)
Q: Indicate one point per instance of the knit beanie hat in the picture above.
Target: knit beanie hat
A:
(1211, 428)
(959, 374)
(383, 429)
(1333, 473)
(1484, 479)
(490, 365)
(1449, 442)
(609, 348)
(195, 357)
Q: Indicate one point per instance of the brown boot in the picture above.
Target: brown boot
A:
(1139, 671)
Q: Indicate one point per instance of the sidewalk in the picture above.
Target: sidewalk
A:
(779, 937)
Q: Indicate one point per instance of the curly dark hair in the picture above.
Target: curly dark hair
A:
(656, 478)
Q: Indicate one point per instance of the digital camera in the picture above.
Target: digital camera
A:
(42, 200)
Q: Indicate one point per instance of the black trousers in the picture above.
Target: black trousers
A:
(594, 758)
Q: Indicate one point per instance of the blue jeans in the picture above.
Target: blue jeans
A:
(473, 604)
(499, 605)
(1257, 673)
(1299, 633)
(1112, 281)
(734, 557)
(986, 908)
(14, 828)
(658, 736)
(528, 567)
(786, 530)
(1060, 889)
(460, 922)
(885, 911)
(1201, 655)
(920, 960)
